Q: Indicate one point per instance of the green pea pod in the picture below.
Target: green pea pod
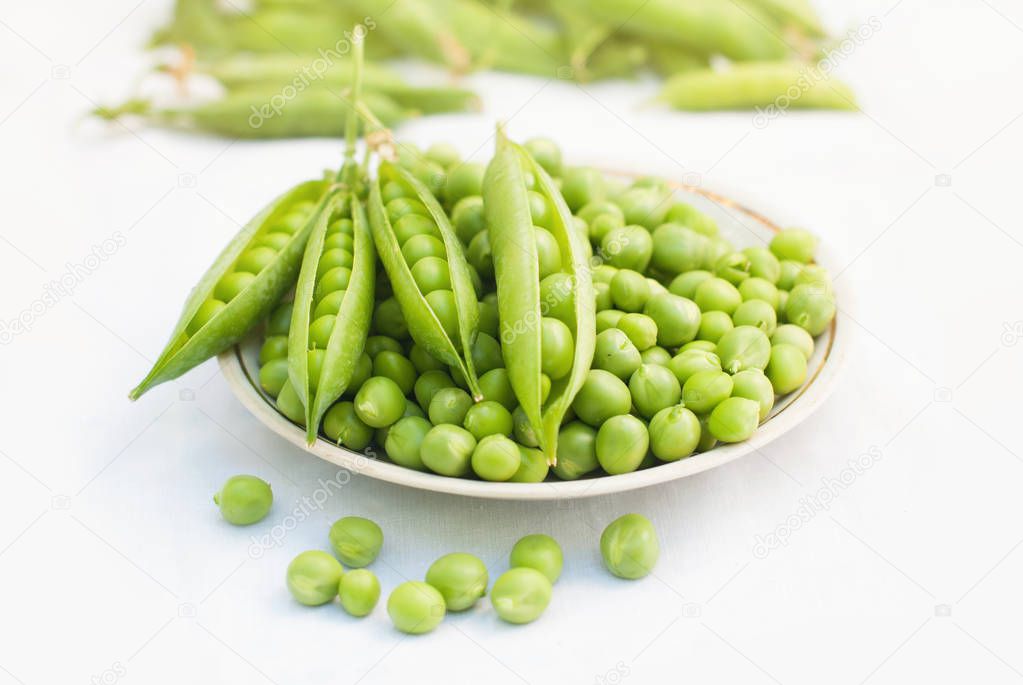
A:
(707, 26)
(423, 323)
(236, 71)
(348, 337)
(797, 13)
(575, 262)
(757, 84)
(248, 307)
(517, 273)
(419, 27)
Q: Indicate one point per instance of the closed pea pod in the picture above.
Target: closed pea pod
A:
(517, 273)
(345, 332)
(430, 328)
(208, 326)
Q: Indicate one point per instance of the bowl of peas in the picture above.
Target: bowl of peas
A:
(533, 330)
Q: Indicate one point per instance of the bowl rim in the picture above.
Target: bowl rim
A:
(808, 399)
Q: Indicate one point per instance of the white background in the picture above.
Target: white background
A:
(114, 564)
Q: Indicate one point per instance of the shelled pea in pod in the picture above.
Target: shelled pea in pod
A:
(427, 269)
(243, 284)
(534, 238)
(331, 315)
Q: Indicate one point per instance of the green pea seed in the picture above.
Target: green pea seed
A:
(795, 244)
(404, 440)
(313, 577)
(460, 578)
(273, 375)
(539, 552)
(758, 314)
(577, 451)
(717, 294)
(520, 595)
(342, 424)
(447, 450)
(244, 500)
(653, 388)
(792, 335)
(488, 418)
(415, 607)
(786, 369)
(685, 284)
(614, 352)
(601, 396)
(359, 592)
(704, 390)
(356, 541)
(752, 384)
(674, 433)
(533, 468)
(629, 546)
(744, 347)
(734, 419)
(622, 442)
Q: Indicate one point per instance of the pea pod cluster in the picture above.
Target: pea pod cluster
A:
(243, 284)
(516, 227)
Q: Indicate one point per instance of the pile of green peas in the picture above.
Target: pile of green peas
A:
(694, 338)
(456, 582)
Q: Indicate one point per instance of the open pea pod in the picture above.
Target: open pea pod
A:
(204, 329)
(424, 324)
(351, 325)
(517, 273)
(576, 263)
(512, 238)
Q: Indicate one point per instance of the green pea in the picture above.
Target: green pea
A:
(795, 244)
(644, 206)
(608, 318)
(449, 405)
(356, 541)
(273, 375)
(539, 209)
(443, 304)
(404, 440)
(656, 355)
(744, 347)
(363, 370)
(763, 264)
(388, 319)
(677, 249)
(467, 218)
(539, 552)
(320, 331)
(333, 259)
(656, 288)
(255, 259)
(788, 272)
(786, 369)
(394, 189)
(628, 247)
(495, 385)
(629, 290)
(707, 439)
(614, 352)
(557, 299)
(480, 255)
(396, 367)
(687, 215)
(534, 467)
(705, 345)
(244, 500)
(601, 396)
(783, 299)
(677, 318)
(602, 299)
(444, 154)
(343, 225)
(733, 267)
(420, 247)
(594, 209)
(794, 335)
(653, 388)
(427, 385)
(577, 451)
(313, 577)
(813, 274)
(415, 607)
(232, 284)
(488, 418)
(523, 429)
(692, 361)
(335, 279)
(629, 546)
(275, 241)
(717, 294)
(359, 592)
(704, 390)
(290, 405)
(315, 366)
(342, 424)
(463, 180)
(280, 319)
(402, 206)
(548, 252)
(520, 595)
(339, 241)
(431, 273)
(713, 325)
(622, 442)
(490, 322)
(424, 361)
(558, 348)
(460, 578)
(582, 185)
(604, 273)
(496, 457)
(486, 353)
(758, 314)
(752, 384)
(810, 306)
(674, 433)
(447, 450)
(756, 288)
(379, 402)
(375, 344)
(546, 153)
(734, 419)
(685, 284)
(604, 224)
(412, 225)
(330, 305)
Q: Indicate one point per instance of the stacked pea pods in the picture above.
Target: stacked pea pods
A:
(508, 321)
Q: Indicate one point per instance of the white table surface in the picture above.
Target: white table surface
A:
(114, 564)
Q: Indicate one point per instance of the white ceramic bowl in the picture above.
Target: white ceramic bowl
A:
(744, 227)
